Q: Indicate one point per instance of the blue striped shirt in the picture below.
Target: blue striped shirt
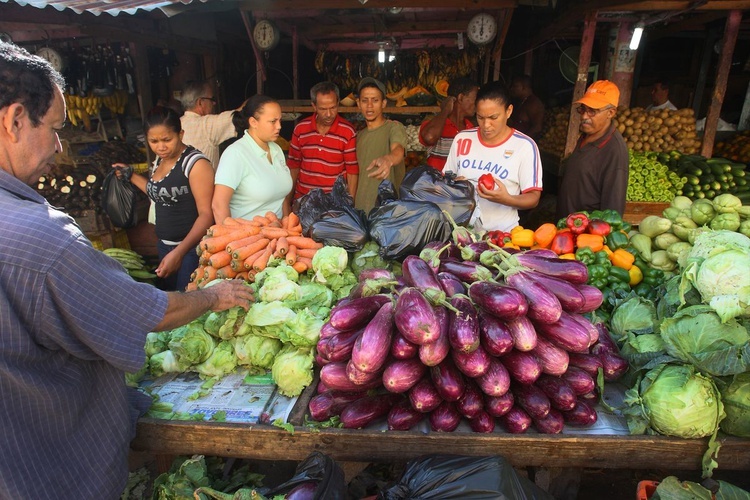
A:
(71, 323)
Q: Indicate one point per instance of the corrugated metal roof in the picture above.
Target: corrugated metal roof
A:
(112, 7)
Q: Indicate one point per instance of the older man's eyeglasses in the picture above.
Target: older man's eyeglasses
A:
(212, 99)
(590, 112)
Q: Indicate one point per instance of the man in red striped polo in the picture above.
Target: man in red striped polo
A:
(323, 145)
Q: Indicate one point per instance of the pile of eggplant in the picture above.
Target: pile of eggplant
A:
(468, 332)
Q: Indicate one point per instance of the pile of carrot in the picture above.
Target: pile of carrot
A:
(239, 248)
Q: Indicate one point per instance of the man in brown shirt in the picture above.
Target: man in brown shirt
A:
(595, 175)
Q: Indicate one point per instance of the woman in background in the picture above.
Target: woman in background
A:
(252, 177)
(181, 185)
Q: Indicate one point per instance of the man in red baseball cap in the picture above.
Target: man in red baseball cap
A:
(595, 175)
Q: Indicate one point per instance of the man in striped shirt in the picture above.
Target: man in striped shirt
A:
(323, 145)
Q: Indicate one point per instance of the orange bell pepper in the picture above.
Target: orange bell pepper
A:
(622, 258)
(568, 256)
(545, 234)
(593, 241)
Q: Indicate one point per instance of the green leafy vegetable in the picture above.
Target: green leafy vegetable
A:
(192, 344)
(254, 350)
(736, 398)
(292, 370)
(221, 362)
(328, 263)
(636, 315)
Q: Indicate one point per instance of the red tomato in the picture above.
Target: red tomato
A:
(487, 182)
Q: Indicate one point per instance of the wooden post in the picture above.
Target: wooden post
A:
(584, 61)
(295, 63)
(700, 85)
(142, 84)
(623, 61)
(725, 61)
(507, 14)
(260, 68)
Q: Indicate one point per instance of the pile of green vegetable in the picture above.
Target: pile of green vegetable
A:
(708, 177)
(194, 477)
(650, 179)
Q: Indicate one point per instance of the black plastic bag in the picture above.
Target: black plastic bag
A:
(403, 228)
(468, 478)
(313, 206)
(323, 472)
(425, 183)
(119, 198)
(344, 227)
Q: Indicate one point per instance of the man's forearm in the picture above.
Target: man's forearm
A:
(183, 308)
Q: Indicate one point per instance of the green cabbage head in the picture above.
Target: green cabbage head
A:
(736, 399)
(192, 344)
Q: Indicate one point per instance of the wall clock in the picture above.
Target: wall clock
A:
(482, 29)
(53, 57)
(266, 35)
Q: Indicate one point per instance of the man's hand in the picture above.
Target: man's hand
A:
(447, 105)
(380, 168)
(230, 293)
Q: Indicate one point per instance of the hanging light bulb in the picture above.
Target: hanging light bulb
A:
(381, 55)
(637, 34)
(392, 56)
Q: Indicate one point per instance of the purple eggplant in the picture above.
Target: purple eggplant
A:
(401, 375)
(578, 380)
(614, 365)
(586, 362)
(448, 380)
(497, 406)
(566, 333)
(553, 359)
(435, 251)
(582, 415)
(592, 298)
(375, 273)
(532, 399)
(357, 312)
(364, 411)
(418, 274)
(433, 354)
(552, 423)
(321, 388)
(496, 380)
(358, 377)
(561, 395)
(339, 347)
(372, 347)
(468, 272)
(327, 330)
(415, 317)
(494, 334)
(543, 304)
(472, 364)
(445, 418)
(472, 251)
(402, 348)
(334, 376)
(461, 236)
(330, 403)
(571, 299)
(523, 333)
(605, 340)
(585, 323)
(523, 367)
(541, 252)
(499, 300)
(471, 402)
(483, 422)
(463, 329)
(451, 284)
(370, 287)
(570, 270)
(516, 421)
(403, 417)
(321, 361)
(303, 491)
(424, 397)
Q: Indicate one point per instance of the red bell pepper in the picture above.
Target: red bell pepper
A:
(487, 181)
(599, 227)
(577, 222)
(564, 242)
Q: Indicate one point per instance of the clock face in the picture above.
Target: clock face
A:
(266, 35)
(52, 56)
(482, 29)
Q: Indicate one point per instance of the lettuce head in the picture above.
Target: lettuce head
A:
(253, 350)
(221, 362)
(192, 344)
(292, 370)
(329, 262)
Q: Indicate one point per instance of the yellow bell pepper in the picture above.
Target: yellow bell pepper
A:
(636, 275)
(608, 250)
(511, 245)
(522, 238)
(569, 256)
(515, 229)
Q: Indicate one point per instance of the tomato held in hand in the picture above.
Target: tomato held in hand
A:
(487, 182)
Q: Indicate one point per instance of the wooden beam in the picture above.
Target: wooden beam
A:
(498, 51)
(292, 31)
(584, 61)
(319, 31)
(293, 5)
(151, 37)
(722, 75)
(681, 5)
(260, 68)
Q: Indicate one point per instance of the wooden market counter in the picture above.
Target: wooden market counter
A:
(265, 442)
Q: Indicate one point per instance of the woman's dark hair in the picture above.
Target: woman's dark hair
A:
(252, 107)
(495, 91)
(28, 80)
(162, 115)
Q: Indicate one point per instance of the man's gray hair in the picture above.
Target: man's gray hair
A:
(192, 92)
(323, 88)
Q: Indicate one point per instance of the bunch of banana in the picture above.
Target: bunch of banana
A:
(319, 64)
(132, 262)
(116, 101)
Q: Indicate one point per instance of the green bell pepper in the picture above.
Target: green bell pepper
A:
(612, 217)
(618, 274)
(602, 259)
(586, 255)
(617, 239)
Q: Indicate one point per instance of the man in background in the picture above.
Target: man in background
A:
(595, 175)
(456, 110)
(660, 97)
(323, 145)
(72, 321)
(204, 130)
(528, 109)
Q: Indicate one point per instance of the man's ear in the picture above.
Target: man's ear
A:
(11, 120)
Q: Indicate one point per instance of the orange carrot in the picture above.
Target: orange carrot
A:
(282, 246)
(305, 260)
(248, 262)
(192, 286)
(226, 272)
(263, 221)
(271, 216)
(273, 233)
(220, 230)
(262, 261)
(237, 265)
(231, 247)
(285, 222)
(203, 258)
(300, 267)
(275, 223)
(303, 242)
(306, 252)
(220, 259)
(214, 244)
(198, 273)
(291, 255)
(241, 276)
(296, 229)
(251, 275)
(246, 251)
(209, 273)
(293, 219)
